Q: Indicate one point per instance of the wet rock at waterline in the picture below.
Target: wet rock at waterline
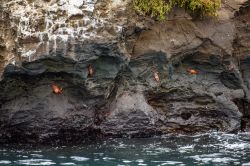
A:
(121, 75)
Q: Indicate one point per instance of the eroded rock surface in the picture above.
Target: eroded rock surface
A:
(141, 85)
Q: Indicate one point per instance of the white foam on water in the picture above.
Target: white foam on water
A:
(168, 162)
(122, 145)
(237, 146)
(108, 158)
(246, 164)
(127, 161)
(211, 155)
(223, 160)
(162, 150)
(5, 162)
(237, 163)
(154, 150)
(35, 162)
(37, 155)
(214, 158)
(186, 148)
(142, 164)
(140, 160)
(78, 158)
(37, 151)
(67, 164)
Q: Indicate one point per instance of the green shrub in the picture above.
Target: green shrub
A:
(155, 8)
(159, 8)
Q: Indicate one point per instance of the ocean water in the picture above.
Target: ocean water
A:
(206, 149)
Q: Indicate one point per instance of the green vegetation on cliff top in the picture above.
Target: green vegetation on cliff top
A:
(159, 8)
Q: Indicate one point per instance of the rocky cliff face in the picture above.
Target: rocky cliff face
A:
(34, 29)
(182, 75)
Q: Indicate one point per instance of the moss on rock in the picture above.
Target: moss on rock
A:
(159, 8)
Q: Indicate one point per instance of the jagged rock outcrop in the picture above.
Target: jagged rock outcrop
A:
(142, 84)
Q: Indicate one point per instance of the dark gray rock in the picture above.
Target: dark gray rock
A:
(121, 99)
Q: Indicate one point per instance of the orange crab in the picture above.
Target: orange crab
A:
(192, 71)
(56, 89)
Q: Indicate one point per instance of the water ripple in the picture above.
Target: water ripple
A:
(206, 149)
(35, 162)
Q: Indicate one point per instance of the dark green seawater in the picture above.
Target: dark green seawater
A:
(207, 149)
